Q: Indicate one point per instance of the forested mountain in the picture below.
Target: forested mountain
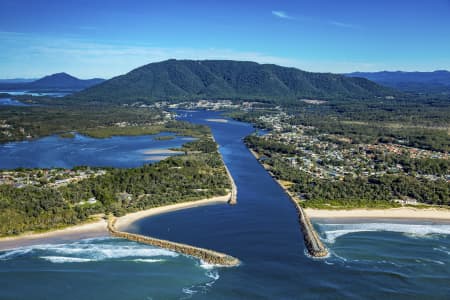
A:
(59, 81)
(219, 79)
(437, 81)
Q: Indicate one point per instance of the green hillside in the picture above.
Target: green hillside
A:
(224, 79)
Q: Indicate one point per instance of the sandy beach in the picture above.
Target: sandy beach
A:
(72, 233)
(161, 152)
(391, 213)
(217, 120)
(432, 213)
(97, 228)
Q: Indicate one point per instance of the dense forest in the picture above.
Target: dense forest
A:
(197, 175)
(179, 80)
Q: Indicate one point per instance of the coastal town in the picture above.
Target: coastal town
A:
(318, 156)
(213, 105)
(54, 178)
(334, 157)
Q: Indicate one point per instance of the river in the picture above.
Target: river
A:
(385, 259)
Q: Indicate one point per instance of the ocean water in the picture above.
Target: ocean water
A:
(117, 151)
(369, 259)
(101, 268)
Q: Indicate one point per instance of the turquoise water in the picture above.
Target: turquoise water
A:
(369, 260)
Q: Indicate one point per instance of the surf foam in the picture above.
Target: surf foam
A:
(333, 231)
(90, 250)
(65, 259)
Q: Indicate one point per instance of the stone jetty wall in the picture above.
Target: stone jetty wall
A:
(233, 196)
(313, 243)
(208, 256)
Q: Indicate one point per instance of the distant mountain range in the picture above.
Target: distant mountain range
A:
(58, 81)
(226, 79)
(16, 80)
(433, 82)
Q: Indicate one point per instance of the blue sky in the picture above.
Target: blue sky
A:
(107, 38)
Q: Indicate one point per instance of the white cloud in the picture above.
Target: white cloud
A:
(343, 25)
(24, 55)
(281, 14)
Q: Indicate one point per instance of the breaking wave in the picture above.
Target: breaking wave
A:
(64, 259)
(330, 232)
(189, 292)
(148, 260)
(91, 250)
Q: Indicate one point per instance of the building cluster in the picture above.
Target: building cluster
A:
(47, 177)
(336, 157)
(215, 105)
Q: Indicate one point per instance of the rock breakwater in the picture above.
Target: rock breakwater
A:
(206, 255)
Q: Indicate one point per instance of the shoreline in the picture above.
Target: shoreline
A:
(98, 228)
(71, 233)
(128, 219)
(401, 213)
(161, 151)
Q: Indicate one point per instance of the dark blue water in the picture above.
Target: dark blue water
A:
(262, 231)
(117, 151)
(55, 94)
(373, 260)
(11, 102)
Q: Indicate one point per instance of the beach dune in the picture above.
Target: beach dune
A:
(391, 213)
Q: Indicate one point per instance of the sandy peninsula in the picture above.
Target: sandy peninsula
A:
(390, 213)
(98, 228)
(217, 120)
(161, 152)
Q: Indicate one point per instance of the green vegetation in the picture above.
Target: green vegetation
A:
(67, 135)
(419, 121)
(164, 138)
(18, 123)
(349, 204)
(359, 191)
(199, 175)
(181, 128)
(220, 79)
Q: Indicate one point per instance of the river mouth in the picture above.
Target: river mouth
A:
(262, 231)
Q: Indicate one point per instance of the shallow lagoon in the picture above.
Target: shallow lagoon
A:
(117, 151)
(11, 102)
